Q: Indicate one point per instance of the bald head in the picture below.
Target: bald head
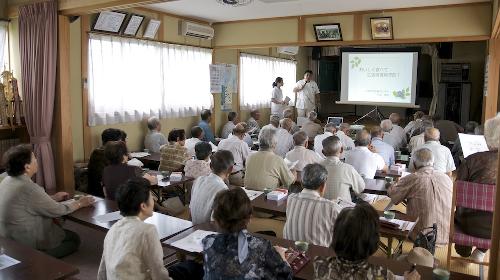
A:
(432, 134)
(395, 118)
(362, 139)
(286, 124)
(240, 129)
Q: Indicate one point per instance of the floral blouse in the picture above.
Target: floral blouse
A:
(335, 268)
(220, 253)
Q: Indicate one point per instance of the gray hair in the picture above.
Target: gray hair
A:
(153, 123)
(274, 120)
(432, 134)
(312, 115)
(362, 138)
(492, 132)
(330, 127)
(331, 146)
(313, 176)
(386, 125)
(267, 139)
(422, 158)
(299, 138)
(288, 113)
(344, 125)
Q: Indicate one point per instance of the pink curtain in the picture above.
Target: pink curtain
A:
(38, 47)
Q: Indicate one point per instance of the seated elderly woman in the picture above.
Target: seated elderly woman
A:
(118, 172)
(234, 253)
(265, 169)
(174, 155)
(27, 212)
(199, 166)
(355, 239)
(154, 139)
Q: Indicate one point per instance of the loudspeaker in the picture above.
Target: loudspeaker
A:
(445, 50)
(316, 53)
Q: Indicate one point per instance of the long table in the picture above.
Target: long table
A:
(307, 272)
(33, 264)
(167, 226)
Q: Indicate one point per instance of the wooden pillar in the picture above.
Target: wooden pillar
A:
(61, 127)
(87, 133)
(491, 99)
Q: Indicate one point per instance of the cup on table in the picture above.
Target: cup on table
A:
(389, 215)
(302, 246)
(165, 174)
(267, 190)
(440, 274)
(146, 151)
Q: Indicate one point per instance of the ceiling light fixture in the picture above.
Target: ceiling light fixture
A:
(235, 3)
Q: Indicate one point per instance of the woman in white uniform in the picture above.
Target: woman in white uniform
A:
(277, 102)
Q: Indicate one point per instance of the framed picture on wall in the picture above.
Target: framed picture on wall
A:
(109, 21)
(133, 24)
(381, 28)
(328, 32)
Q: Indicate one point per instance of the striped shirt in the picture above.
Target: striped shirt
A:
(173, 157)
(310, 218)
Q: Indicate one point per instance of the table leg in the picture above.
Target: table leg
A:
(389, 247)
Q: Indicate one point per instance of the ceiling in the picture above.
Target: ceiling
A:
(212, 11)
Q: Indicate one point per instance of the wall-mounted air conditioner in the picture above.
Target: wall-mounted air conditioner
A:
(288, 50)
(196, 30)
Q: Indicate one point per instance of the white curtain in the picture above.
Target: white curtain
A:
(3, 44)
(257, 74)
(130, 79)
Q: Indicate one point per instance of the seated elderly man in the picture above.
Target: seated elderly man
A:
(301, 153)
(428, 195)
(392, 135)
(330, 130)
(364, 160)
(414, 123)
(311, 127)
(449, 129)
(232, 120)
(343, 135)
(274, 122)
(285, 138)
(383, 149)
(342, 177)
(288, 114)
(265, 169)
(418, 140)
(253, 125)
(310, 203)
(479, 168)
(154, 139)
(443, 160)
(395, 118)
(240, 151)
(197, 135)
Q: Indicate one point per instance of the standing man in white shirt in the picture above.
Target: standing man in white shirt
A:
(278, 103)
(307, 95)
(240, 150)
(342, 177)
(343, 135)
(362, 159)
(301, 153)
(382, 148)
(154, 139)
(330, 130)
(205, 188)
(443, 160)
(285, 138)
(232, 120)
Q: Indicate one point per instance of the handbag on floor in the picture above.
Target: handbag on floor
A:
(426, 239)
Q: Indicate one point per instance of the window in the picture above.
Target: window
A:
(130, 79)
(257, 74)
(4, 45)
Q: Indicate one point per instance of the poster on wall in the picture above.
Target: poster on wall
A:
(226, 100)
(223, 81)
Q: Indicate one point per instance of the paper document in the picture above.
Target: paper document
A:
(291, 165)
(109, 217)
(372, 198)
(162, 183)
(69, 201)
(403, 225)
(472, 144)
(135, 162)
(139, 154)
(252, 194)
(344, 203)
(192, 242)
(6, 261)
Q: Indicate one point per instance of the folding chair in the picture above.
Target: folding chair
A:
(473, 196)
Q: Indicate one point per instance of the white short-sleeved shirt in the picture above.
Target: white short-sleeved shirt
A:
(227, 129)
(443, 160)
(306, 97)
(365, 162)
(347, 143)
(277, 109)
(285, 142)
(203, 193)
(191, 142)
(238, 148)
(304, 156)
(318, 142)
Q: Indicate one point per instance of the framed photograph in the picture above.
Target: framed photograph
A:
(328, 32)
(381, 28)
(151, 29)
(133, 24)
(109, 21)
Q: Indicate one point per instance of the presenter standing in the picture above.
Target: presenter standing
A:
(277, 102)
(307, 95)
